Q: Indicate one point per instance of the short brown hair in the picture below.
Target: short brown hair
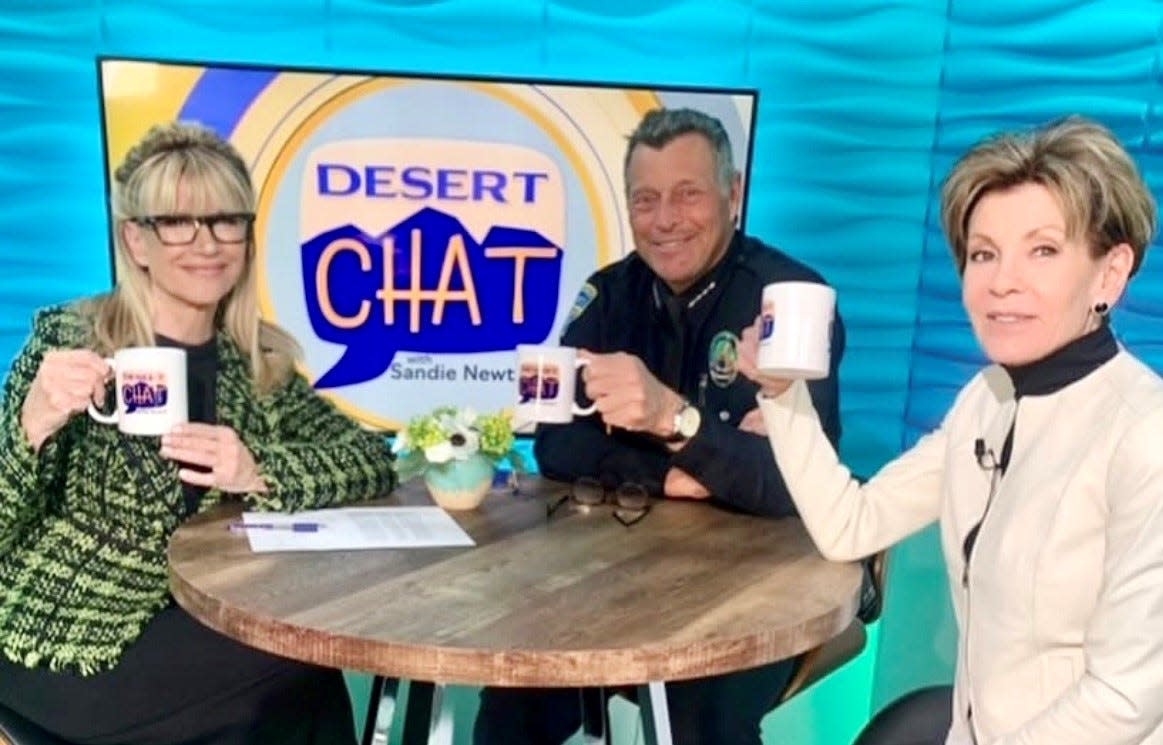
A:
(660, 127)
(1102, 195)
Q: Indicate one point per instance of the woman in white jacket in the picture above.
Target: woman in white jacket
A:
(1046, 475)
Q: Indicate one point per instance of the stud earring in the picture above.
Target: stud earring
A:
(1101, 309)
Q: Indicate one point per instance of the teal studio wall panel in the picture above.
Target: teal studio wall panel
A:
(863, 107)
(841, 174)
(461, 37)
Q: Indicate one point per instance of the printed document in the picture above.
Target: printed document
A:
(350, 528)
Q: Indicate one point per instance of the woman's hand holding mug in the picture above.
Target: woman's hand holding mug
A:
(66, 382)
(229, 465)
(769, 385)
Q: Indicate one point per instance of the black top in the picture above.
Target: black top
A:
(201, 386)
(1071, 362)
(689, 342)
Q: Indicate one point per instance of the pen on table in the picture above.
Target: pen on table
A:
(241, 527)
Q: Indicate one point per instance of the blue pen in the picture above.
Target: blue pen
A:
(240, 527)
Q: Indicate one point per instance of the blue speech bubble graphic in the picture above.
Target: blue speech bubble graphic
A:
(426, 285)
(142, 395)
(767, 327)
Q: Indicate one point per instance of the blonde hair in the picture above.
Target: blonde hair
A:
(146, 183)
(1102, 196)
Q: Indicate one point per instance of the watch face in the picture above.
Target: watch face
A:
(688, 421)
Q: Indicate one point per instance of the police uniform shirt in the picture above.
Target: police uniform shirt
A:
(689, 342)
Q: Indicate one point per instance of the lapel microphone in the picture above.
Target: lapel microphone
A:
(987, 462)
(985, 457)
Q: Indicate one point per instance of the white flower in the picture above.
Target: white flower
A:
(464, 443)
(441, 452)
(466, 418)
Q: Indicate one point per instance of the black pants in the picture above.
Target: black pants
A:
(724, 710)
(182, 684)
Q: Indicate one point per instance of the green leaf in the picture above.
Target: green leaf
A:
(411, 464)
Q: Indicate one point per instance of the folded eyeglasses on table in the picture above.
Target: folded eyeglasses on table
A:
(631, 501)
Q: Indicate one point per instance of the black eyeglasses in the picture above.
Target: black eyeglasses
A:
(631, 501)
(181, 230)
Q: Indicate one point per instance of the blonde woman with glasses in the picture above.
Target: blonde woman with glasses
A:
(92, 646)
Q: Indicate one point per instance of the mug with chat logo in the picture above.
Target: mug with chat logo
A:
(795, 335)
(546, 383)
(150, 390)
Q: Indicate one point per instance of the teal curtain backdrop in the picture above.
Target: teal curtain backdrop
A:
(864, 104)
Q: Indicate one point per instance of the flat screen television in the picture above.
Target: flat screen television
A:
(411, 230)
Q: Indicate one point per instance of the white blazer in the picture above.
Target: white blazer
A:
(1061, 611)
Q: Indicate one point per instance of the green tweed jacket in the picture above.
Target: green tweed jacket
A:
(84, 523)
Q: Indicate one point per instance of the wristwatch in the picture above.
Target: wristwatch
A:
(686, 422)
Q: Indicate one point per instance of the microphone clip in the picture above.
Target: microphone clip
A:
(986, 460)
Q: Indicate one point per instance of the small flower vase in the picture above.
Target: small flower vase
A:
(460, 484)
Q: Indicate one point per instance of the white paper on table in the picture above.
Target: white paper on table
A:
(348, 528)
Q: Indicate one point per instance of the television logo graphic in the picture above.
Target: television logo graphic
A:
(445, 247)
(532, 386)
(144, 390)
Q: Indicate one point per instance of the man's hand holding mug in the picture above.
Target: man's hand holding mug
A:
(627, 395)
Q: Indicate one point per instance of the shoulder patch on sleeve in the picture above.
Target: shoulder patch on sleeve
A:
(585, 296)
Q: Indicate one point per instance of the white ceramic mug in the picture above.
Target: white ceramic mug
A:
(795, 336)
(150, 390)
(546, 384)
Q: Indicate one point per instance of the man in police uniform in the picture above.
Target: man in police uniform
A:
(660, 328)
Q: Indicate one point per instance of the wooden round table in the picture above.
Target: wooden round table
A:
(574, 599)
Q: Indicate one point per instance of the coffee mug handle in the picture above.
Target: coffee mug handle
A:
(577, 410)
(99, 416)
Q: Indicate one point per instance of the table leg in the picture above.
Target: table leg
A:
(655, 714)
(381, 687)
(440, 731)
(592, 702)
(417, 713)
(427, 720)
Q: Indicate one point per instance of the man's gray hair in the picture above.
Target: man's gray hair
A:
(660, 126)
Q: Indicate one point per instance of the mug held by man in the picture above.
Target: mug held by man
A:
(546, 383)
(542, 384)
(150, 390)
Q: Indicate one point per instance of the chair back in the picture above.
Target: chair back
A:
(922, 716)
(872, 593)
(16, 730)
